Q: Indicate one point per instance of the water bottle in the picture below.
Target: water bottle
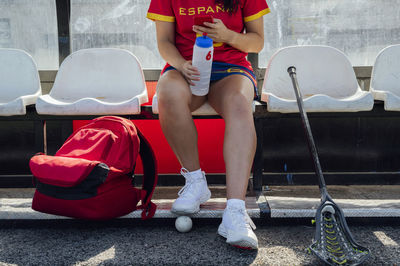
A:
(202, 59)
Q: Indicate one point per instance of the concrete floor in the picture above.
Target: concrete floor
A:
(55, 240)
(157, 242)
(275, 202)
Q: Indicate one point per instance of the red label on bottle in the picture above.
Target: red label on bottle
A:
(208, 57)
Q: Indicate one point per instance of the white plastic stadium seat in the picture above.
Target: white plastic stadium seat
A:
(19, 82)
(96, 81)
(326, 79)
(385, 79)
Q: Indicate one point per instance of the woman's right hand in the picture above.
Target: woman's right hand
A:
(189, 72)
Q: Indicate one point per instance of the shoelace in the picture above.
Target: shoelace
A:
(184, 191)
(241, 218)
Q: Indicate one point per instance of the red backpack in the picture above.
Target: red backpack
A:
(90, 176)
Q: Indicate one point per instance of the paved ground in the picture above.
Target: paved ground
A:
(156, 242)
(130, 241)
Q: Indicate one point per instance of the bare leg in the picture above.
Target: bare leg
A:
(232, 98)
(175, 103)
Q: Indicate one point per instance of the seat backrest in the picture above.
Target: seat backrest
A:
(386, 70)
(18, 75)
(102, 73)
(320, 70)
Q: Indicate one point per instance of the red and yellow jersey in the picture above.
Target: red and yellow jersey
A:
(182, 12)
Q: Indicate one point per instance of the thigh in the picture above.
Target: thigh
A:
(234, 91)
(174, 89)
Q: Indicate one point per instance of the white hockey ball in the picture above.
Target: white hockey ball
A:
(183, 224)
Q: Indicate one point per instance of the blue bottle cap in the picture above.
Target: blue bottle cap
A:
(204, 41)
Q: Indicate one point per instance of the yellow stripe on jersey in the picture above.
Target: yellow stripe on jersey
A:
(257, 15)
(154, 16)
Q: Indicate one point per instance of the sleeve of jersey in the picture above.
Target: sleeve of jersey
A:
(161, 10)
(254, 9)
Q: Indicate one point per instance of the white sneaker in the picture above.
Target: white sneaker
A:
(237, 227)
(194, 193)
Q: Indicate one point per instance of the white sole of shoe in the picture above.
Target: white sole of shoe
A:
(239, 241)
(194, 210)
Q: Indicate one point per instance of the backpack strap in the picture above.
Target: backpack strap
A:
(150, 176)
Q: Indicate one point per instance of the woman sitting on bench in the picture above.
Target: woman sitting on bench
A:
(236, 30)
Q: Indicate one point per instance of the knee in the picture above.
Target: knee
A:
(172, 96)
(238, 107)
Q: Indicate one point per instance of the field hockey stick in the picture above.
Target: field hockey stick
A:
(333, 241)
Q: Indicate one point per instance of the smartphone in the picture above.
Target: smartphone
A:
(199, 20)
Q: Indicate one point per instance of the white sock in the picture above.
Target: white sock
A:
(236, 203)
(196, 174)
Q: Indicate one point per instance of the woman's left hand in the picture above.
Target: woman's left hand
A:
(217, 31)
